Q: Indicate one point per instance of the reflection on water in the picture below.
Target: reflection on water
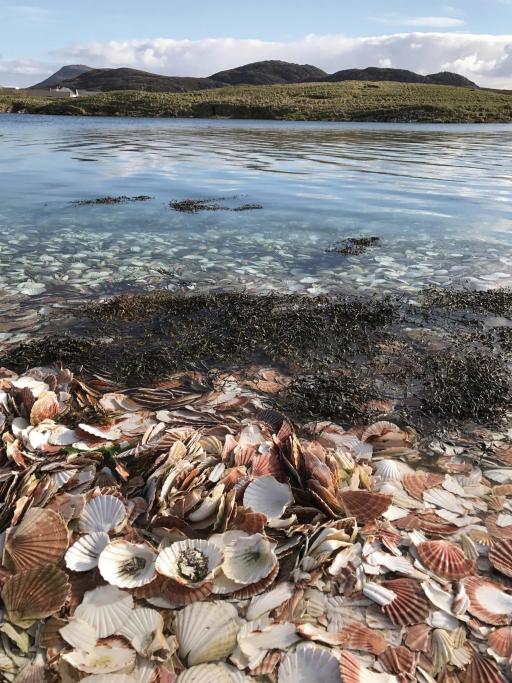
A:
(439, 197)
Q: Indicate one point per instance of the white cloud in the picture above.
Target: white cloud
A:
(486, 59)
(421, 22)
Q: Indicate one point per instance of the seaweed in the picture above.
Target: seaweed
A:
(65, 349)
(122, 199)
(196, 205)
(495, 301)
(353, 246)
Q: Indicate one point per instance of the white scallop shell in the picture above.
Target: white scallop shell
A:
(83, 555)
(144, 630)
(127, 565)
(211, 673)
(256, 638)
(209, 505)
(168, 559)
(268, 496)
(110, 678)
(101, 659)
(206, 632)
(79, 634)
(390, 470)
(308, 663)
(105, 608)
(382, 596)
(102, 513)
(249, 559)
(261, 604)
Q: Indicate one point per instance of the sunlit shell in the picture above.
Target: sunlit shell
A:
(483, 670)
(249, 559)
(500, 641)
(208, 505)
(487, 601)
(83, 555)
(144, 630)
(45, 408)
(35, 594)
(268, 496)
(105, 608)
(127, 565)
(192, 562)
(80, 635)
(211, 673)
(445, 559)
(357, 636)
(409, 606)
(110, 678)
(500, 556)
(308, 663)
(352, 671)
(257, 588)
(206, 632)
(390, 470)
(40, 538)
(262, 604)
(365, 506)
(418, 482)
(101, 659)
(102, 513)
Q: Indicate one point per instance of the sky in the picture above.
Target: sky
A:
(200, 37)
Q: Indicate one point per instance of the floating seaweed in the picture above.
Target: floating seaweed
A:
(215, 204)
(353, 246)
(107, 201)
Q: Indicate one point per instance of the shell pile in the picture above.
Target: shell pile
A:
(197, 538)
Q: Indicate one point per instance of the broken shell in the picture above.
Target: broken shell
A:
(262, 604)
(487, 601)
(44, 408)
(206, 632)
(34, 594)
(83, 555)
(445, 559)
(309, 663)
(249, 559)
(482, 670)
(127, 565)
(79, 635)
(365, 506)
(105, 608)
(144, 630)
(102, 513)
(101, 659)
(352, 671)
(268, 496)
(191, 562)
(500, 556)
(40, 538)
(418, 482)
(500, 641)
(409, 605)
(391, 470)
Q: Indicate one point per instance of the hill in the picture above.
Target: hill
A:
(133, 79)
(347, 101)
(449, 78)
(270, 72)
(64, 74)
(400, 76)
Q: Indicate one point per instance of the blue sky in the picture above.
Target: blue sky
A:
(187, 36)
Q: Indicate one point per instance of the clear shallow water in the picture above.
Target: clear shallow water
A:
(438, 197)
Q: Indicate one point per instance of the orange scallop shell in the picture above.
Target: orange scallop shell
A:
(351, 669)
(35, 594)
(500, 556)
(500, 641)
(445, 559)
(417, 483)
(360, 637)
(478, 590)
(40, 538)
(418, 638)
(410, 605)
(365, 506)
(399, 660)
(482, 669)
(46, 407)
(499, 532)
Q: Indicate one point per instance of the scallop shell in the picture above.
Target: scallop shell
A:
(249, 559)
(40, 538)
(206, 632)
(110, 678)
(83, 555)
(357, 636)
(498, 532)
(35, 594)
(445, 559)
(391, 470)
(262, 604)
(268, 496)
(399, 660)
(101, 659)
(209, 505)
(409, 606)
(45, 408)
(483, 670)
(190, 562)
(487, 601)
(308, 663)
(365, 506)
(500, 556)
(418, 482)
(211, 673)
(144, 630)
(257, 588)
(105, 608)
(80, 635)
(352, 671)
(417, 638)
(102, 513)
(500, 641)
(127, 565)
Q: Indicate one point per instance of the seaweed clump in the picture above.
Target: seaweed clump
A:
(71, 351)
(196, 205)
(353, 246)
(494, 301)
(465, 385)
(122, 199)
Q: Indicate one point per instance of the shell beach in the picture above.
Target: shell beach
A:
(202, 536)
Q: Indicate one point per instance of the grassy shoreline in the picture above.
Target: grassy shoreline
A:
(347, 101)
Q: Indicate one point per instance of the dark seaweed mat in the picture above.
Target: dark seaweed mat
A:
(353, 246)
(123, 199)
(495, 301)
(196, 205)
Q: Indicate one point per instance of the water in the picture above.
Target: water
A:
(439, 197)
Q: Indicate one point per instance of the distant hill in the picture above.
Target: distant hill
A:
(133, 79)
(270, 72)
(374, 73)
(64, 74)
